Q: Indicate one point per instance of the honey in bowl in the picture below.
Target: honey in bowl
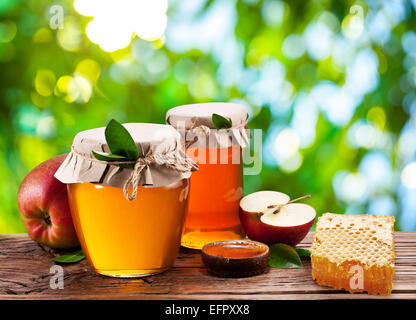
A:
(236, 258)
(235, 250)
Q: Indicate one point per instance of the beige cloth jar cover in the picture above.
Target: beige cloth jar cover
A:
(195, 121)
(154, 141)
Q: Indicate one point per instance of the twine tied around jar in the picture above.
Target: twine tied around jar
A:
(173, 160)
(207, 131)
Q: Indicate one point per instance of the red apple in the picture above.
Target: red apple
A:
(270, 217)
(43, 206)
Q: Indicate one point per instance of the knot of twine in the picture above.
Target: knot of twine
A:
(173, 160)
(207, 131)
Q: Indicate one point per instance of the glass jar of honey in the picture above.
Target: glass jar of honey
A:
(217, 188)
(121, 235)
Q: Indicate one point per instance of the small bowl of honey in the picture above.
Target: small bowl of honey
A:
(236, 258)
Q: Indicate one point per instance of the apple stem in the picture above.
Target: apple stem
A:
(300, 198)
(291, 201)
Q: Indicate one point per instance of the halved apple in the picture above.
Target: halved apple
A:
(270, 217)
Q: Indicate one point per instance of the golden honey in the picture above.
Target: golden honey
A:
(234, 251)
(215, 193)
(129, 238)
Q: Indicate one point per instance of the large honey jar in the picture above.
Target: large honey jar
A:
(125, 232)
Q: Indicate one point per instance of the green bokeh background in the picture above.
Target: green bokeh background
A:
(331, 83)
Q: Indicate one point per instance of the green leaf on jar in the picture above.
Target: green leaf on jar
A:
(120, 142)
(108, 157)
(220, 122)
(113, 158)
(121, 145)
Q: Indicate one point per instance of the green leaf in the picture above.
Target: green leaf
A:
(220, 122)
(303, 253)
(120, 141)
(70, 258)
(284, 257)
(108, 157)
(113, 158)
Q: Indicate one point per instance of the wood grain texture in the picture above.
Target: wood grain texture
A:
(25, 274)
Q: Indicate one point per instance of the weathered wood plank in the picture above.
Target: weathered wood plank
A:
(25, 274)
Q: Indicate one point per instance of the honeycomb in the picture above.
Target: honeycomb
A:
(354, 252)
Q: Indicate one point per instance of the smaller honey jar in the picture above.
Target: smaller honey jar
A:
(217, 188)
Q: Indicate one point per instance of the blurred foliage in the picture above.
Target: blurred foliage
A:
(331, 83)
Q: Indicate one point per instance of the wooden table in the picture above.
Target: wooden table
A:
(25, 274)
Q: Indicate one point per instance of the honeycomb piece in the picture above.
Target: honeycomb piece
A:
(354, 252)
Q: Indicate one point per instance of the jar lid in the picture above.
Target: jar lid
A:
(162, 160)
(191, 118)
